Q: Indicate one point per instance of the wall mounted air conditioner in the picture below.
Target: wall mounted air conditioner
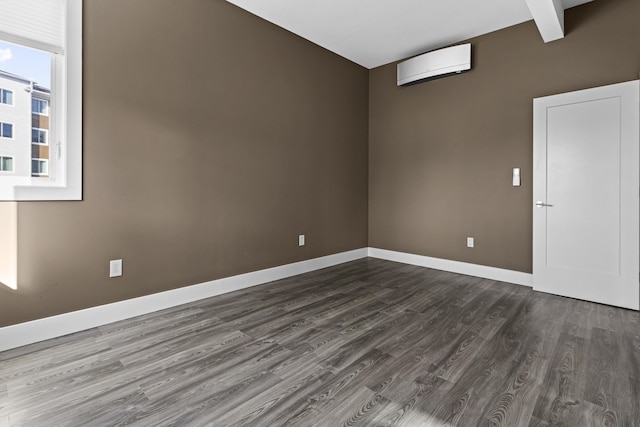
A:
(434, 65)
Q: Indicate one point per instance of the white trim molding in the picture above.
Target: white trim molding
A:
(56, 326)
(493, 273)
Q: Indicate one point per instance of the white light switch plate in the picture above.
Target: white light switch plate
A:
(301, 240)
(516, 177)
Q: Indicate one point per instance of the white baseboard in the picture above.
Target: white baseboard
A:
(56, 326)
(493, 273)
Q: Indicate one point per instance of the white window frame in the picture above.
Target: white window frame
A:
(41, 100)
(46, 136)
(13, 130)
(12, 99)
(13, 164)
(45, 161)
(65, 176)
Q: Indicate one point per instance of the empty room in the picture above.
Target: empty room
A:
(330, 213)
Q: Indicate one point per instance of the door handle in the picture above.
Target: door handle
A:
(540, 204)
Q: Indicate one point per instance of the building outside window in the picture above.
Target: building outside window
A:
(6, 130)
(6, 164)
(25, 128)
(40, 106)
(39, 167)
(39, 136)
(6, 97)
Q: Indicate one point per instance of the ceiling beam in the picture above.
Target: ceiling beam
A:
(549, 17)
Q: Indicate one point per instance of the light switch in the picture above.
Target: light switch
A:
(516, 177)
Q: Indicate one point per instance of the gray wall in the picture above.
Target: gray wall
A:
(441, 152)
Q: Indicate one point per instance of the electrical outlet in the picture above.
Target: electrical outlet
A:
(470, 242)
(301, 240)
(115, 268)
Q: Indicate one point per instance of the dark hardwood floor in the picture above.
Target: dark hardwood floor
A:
(370, 342)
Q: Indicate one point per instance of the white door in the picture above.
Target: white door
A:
(586, 190)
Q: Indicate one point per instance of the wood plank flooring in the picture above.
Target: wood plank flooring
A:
(370, 343)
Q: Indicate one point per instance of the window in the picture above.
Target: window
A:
(39, 167)
(49, 29)
(39, 136)
(6, 96)
(6, 164)
(40, 106)
(6, 130)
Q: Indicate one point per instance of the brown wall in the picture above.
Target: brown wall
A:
(211, 140)
(441, 152)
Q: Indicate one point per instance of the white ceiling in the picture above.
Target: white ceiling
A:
(376, 32)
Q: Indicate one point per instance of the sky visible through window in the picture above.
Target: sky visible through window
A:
(29, 63)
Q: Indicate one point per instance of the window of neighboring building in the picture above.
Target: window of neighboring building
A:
(40, 106)
(39, 167)
(39, 136)
(6, 96)
(49, 29)
(6, 130)
(6, 164)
